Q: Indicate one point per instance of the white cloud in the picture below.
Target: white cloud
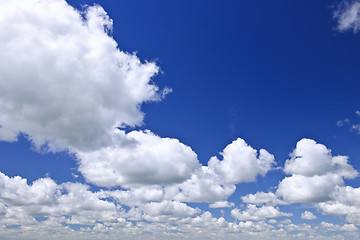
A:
(169, 208)
(308, 215)
(64, 82)
(298, 188)
(254, 213)
(356, 127)
(308, 159)
(242, 163)
(221, 204)
(315, 173)
(16, 191)
(344, 201)
(216, 182)
(261, 198)
(139, 158)
(347, 15)
(334, 227)
(45, 198)
(105, 215)
(203, 186)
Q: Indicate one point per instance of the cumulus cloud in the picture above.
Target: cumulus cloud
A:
(261, 198)
(46, 198)
(344, 201)
(241, 163)
(221, 204)
(64, 81)
(169, 208)
(308, 215)
(347, 15)
(254, 213)
(216, 182)
(139, 157)
(315, 173)
(16, 191)
(334, 227)
(44, 210)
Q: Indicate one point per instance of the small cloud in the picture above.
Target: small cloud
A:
(165, 92)
(358, 113)
(222, 204)
(356, 127)
(74, 175)
(347, 15)
(341, 123)
(308, 215)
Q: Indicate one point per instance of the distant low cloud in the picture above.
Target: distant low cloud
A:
(254, 213)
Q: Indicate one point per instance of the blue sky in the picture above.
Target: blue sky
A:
(240, 118)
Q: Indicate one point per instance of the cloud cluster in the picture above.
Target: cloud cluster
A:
(45, 209)
(216, 182)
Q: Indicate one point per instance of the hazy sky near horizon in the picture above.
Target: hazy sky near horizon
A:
(179, 119)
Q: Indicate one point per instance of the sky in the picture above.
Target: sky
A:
(179, 119)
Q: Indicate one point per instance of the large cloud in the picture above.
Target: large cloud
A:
(139, 158)
(63, 80)
(315, 173)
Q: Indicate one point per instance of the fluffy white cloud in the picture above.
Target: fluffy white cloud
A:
(44, 197)
(298, 188)
(347, 15)
(64, 82)
(308, 215)
(310, 158)
(139, 158)
(221, 204)
(169, 209)
(16, 191)
(261, 198)
(254, 213)
(344, 201)
(315, 173)
(203, 186)
(46, 210)
(216, 182)
(334, 227)
(143, 158)
(241, 163)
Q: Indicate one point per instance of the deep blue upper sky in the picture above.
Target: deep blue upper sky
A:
(271, 72)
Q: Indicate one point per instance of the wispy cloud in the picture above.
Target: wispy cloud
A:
(347, 15)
